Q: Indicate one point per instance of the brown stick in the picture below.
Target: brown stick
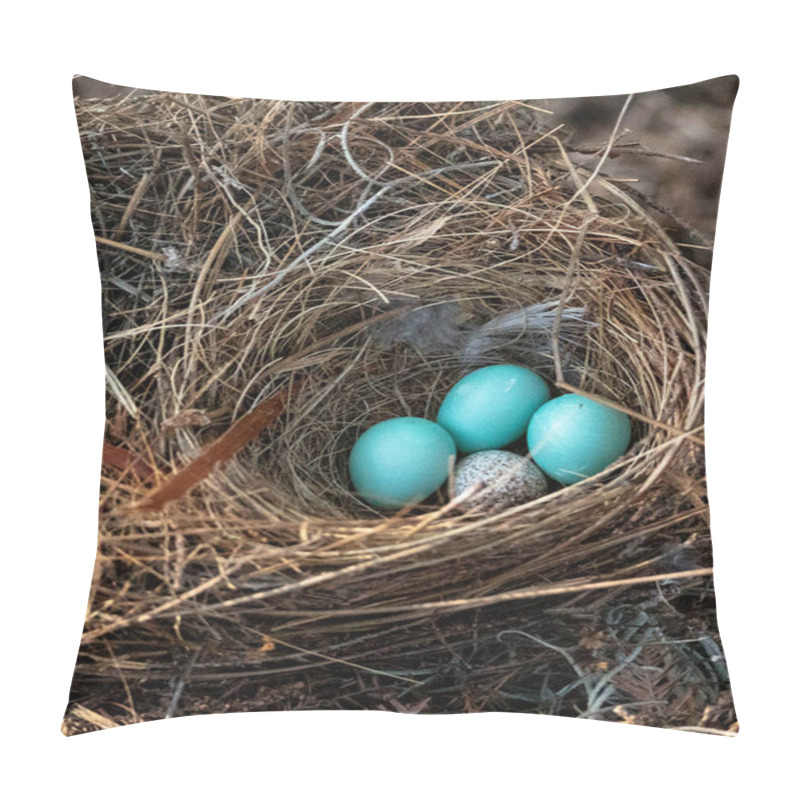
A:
(132, 204)
(123, 459)
(128, 248)
(241, 433)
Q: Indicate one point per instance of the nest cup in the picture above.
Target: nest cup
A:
(619, 355)
(275, 245)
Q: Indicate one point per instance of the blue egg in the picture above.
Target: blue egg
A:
(492, 406)
(572, 437)
(401, 461)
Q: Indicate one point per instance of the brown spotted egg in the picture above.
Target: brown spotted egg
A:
(509, 479)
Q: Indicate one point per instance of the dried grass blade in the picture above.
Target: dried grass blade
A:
(94, 717)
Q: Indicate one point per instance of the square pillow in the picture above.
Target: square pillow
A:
(404, 407)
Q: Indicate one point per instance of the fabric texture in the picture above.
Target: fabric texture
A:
(280, 277)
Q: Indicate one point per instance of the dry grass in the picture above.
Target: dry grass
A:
(245, 245)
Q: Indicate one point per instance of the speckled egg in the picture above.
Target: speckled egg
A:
(510, 479)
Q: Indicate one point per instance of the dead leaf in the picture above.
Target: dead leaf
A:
(592, 640)
(268, 644)
(188, 418)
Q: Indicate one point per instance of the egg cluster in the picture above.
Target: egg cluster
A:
(402, 461)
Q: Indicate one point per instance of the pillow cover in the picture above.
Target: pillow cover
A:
(281, 278)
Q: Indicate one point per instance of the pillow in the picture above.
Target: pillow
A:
(284, 280)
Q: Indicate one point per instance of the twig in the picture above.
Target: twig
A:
(131, 249)
(555, 338)
(609, 145)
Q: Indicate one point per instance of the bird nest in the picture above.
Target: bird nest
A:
(277, 277)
